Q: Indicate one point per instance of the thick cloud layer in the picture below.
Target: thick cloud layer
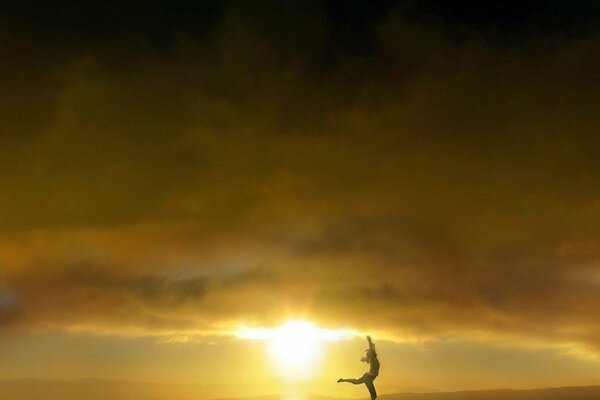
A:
(433, 180)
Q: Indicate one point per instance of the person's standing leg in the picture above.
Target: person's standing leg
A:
(369, 383)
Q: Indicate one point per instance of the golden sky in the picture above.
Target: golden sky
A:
(172, 174)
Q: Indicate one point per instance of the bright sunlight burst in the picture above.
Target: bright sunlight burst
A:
(295, 345)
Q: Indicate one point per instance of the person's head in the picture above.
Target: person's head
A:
(367, 357)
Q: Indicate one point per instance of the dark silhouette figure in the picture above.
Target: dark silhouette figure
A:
(370, 357)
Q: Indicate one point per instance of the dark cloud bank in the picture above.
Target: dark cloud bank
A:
(401, 167)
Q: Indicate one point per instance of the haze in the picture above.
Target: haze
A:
(425, 172)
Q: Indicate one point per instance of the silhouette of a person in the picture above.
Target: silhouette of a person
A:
(370, 357)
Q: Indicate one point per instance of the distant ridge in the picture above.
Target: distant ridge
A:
(556, 393)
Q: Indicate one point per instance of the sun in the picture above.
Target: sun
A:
(295, 346)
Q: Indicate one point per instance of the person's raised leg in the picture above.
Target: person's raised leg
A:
(352, 380)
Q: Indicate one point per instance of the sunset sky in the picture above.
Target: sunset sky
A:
(179, 179)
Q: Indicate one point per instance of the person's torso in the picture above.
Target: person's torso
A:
(374, 370)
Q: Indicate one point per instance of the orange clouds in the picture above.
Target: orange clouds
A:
(433, 187)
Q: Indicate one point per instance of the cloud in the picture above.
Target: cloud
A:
(428, 185)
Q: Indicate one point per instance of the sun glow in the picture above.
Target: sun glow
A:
(295, 345)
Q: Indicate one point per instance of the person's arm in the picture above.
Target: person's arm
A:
(371, 346)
